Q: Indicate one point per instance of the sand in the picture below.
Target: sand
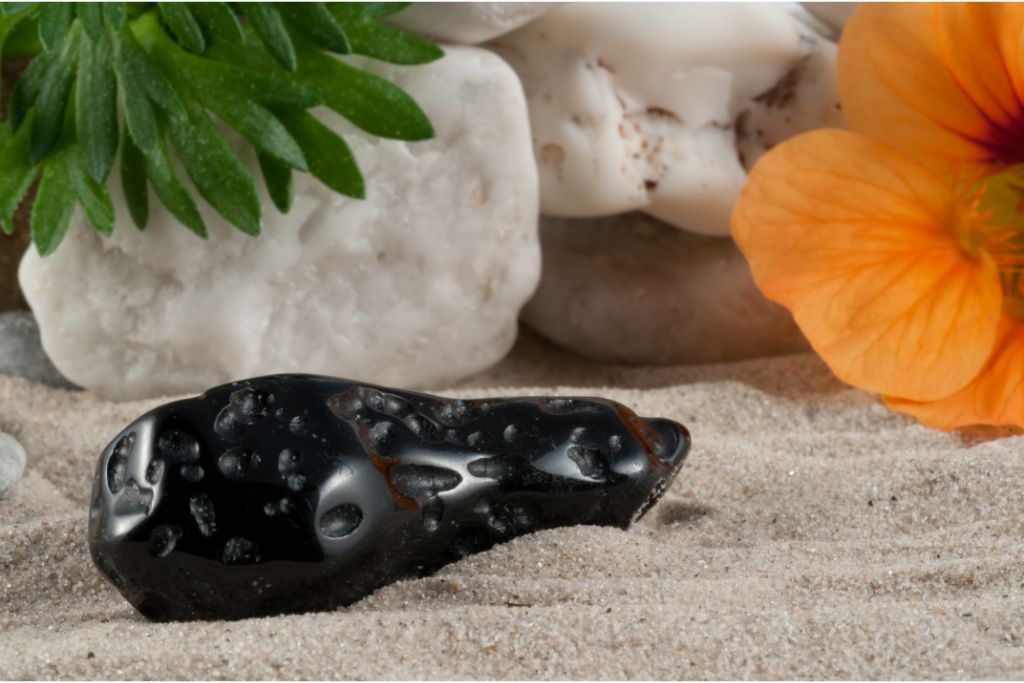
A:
(812, 534)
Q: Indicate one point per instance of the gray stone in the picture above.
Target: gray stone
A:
(630, 289)
(21, 353)
(12, 461)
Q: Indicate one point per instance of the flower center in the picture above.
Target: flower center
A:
(993, 223)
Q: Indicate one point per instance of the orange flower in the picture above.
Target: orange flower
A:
(899, 247)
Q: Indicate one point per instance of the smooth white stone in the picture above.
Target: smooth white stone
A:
(467, 23)
(633, 290)
(634, 106)
(12, 461)
(420, 284)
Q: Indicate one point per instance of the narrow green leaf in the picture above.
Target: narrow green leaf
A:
(277, 176)
(7, 24)
(96, 107)
(154, 84)
(138, 83)
(172, 192)
(54, 204)
(314, 20)
(91, 16)
(183, 25)
(95, 199)
(17, 173)
(217, 173)
(54, 23)
(11, 8)
(261, 128)
(115, 14)
(23, 40)
(28, 87)
(51, 105)
(270, 28)
(370, 102)
(330, 159)
(391, 45)
(375, 10)
(216, 78)
(219, 21)
(139, 116)
(133, 183)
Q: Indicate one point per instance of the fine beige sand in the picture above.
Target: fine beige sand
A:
(812, 534)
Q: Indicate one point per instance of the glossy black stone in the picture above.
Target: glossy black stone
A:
(293, 493)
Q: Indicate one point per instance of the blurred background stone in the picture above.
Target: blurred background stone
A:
(12, 461)
(21, 353)
(467, 23)
(630, 289)
(636, 106)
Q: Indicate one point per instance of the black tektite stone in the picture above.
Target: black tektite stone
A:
(293, 493)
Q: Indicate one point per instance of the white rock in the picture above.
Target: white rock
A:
(12, 461)
(834, 14)
(805, 99)
(467, 23)
(631, 289)
(420, 284)
(634, 106)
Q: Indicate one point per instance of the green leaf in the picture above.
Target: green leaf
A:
(115, 14)
(270, 28)
(391, 45)
(370, 102)
(277, 176)
(261, 82)
(54, 23)
(133, 183)
(28, 87)
(183, 25)
(261, 128)
(139, 85)
(330, 159)
(10, 8)
(217, 173)
(51, 105)
(373, 10)
(219, 21)
(91, 16)
(7, 24)
(172, 192)
(17, 174)
(96, 107)
(93, 195)
(314, 20)
(54, 204)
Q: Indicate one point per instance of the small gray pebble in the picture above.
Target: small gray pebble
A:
(21, 352)
(12, 461)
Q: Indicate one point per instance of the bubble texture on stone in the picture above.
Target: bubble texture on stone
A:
(300, 493)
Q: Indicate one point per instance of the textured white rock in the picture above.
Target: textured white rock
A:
(12, 461)
(467, 23)
(631, 289)
(634, 106)
(420, 284)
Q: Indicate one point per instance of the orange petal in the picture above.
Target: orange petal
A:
(995, 397)
(855, 240)
(942, 82)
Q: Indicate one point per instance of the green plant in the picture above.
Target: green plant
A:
(159, 70)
